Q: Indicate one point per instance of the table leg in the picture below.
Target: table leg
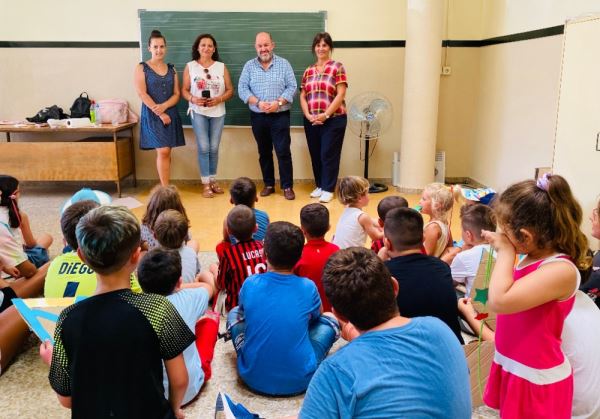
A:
(117, 177)
(132, 148)
(8, 137)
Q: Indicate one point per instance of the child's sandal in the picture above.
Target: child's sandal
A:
(207, 191)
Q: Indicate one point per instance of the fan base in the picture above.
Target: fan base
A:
(377, 187)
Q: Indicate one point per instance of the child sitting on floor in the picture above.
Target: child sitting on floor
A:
(240, 260)
(170, 230)
(162, 198)
(21, 252)
(278, 331)
(106, 360)
(68, 275)
(474, 218)
(397, 367)
(354, 224)
(385, 205)
(243, 192)
(160, 273)
(436, 201)
(314, 222)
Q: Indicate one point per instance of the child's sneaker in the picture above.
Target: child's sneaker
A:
(326, 197)
(316, 193)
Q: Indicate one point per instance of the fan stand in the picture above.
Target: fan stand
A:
(373, 186)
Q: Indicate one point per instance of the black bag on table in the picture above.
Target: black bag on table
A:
(81, 106)
(52, 112)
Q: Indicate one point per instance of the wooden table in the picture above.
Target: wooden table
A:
(104, 153)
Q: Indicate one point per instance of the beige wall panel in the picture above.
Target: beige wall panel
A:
(458, 110)
(503, 17)
(117, 20)
(517, 103)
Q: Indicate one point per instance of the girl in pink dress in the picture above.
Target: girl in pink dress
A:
(530, 376)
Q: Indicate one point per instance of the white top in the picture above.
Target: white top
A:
(442, 242)
(190, 303)
(466, 263)
(11, 242)
(580, 344)
(348, 231)
(190, 265)
(199, 82)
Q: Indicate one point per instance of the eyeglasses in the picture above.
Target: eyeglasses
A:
(207, 74)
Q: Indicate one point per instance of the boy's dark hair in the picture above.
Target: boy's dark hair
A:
(243, 191)
(283, 244)
(171, 229)
(403, 227)
(477, 217)
(107, 237)
(159, 270)
(359, 287)
(314, 218)
(241, 222)
(389, 203)
(70, 218)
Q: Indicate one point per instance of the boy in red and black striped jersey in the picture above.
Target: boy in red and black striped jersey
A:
(242, 259)
(385, 205)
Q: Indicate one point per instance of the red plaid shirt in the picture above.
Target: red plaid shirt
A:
(321, 88)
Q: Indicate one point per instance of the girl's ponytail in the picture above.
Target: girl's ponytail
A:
(8, 188)
(566, 218)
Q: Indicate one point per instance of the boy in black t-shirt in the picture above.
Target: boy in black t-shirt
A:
(106, 360)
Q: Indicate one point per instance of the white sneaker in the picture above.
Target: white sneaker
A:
(326, 197)
(316, 193)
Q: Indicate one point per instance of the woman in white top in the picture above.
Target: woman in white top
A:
(206, 86)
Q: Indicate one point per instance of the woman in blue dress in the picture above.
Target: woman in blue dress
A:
(158, 87)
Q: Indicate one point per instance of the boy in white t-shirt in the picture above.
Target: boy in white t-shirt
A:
(474, 218)
(159, 272)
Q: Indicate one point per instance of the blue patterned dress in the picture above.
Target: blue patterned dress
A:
(153, 133)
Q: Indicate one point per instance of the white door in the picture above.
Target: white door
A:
(577, 148)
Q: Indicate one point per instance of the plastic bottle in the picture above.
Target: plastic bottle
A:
(93, 112)
(97, 112)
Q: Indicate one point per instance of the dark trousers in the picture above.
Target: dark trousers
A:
(272, 130)
(325, 148)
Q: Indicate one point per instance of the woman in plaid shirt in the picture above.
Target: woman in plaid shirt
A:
(323, 89)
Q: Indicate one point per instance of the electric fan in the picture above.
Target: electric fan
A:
(369, 116)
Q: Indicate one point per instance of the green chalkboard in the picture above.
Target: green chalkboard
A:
(235, 32)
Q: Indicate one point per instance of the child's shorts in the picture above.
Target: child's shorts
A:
(8, 295)
(37, 255)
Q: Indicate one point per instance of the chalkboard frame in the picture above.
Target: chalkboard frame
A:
(235, 32)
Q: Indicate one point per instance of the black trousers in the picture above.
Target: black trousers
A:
(272, 130)
(325, 147)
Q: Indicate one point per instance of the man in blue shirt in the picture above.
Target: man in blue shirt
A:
(397, 367)
(267, 84)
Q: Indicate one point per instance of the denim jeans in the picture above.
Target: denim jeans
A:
(208, 132)
(322, 332)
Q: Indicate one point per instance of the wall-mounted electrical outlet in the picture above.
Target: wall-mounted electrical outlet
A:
(446, 70)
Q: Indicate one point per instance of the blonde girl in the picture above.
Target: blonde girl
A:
(530, 375)
(436, 201)
(354, 224)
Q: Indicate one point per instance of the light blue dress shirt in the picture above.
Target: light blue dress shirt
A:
(277, 81)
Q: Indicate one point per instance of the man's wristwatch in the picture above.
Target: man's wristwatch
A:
(326, 115)
(280, 103)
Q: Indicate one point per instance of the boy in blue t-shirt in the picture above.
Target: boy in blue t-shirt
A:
(397, 367)
(278, 331)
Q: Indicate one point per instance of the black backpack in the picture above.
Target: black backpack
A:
(81, 106)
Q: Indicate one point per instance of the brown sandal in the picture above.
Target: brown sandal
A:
(207, 192)
(216, 188)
